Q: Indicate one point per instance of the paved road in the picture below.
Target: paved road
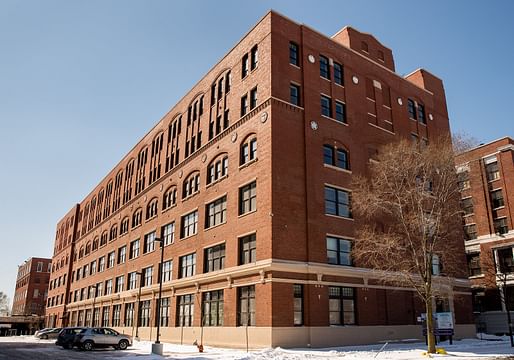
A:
(49, 351)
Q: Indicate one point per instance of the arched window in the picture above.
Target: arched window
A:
(217, 169)
(88, 248)
(95, 243)
(137, 217)
(169, 198)
(113, 232)
(335, 156)
(191, 185)
(124, 225)
(151, 208)
(103, 238)
(248, 151)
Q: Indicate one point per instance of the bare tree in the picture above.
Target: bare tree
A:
(409, 219)
(463, 142)
(4, 304)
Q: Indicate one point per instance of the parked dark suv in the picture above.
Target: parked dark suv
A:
(66, 337)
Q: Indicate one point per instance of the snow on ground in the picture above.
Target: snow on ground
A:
(489, 347)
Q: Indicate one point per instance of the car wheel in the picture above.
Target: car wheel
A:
(123, 344)
(88, 345)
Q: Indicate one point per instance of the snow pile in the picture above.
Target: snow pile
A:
(490, 347)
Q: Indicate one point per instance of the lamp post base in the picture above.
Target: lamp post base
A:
(157, 349)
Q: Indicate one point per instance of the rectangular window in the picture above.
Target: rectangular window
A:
(244, 66)
(144, 313)
(108, 287)
(254, 55)
(132, 280)
(167, 268)
(411, 107)
(500, 226)
(164, 317)
(244, 105)
(253, 98)
(463, 180)
(497, 199)
(326, 108)
(492, 171)
(101, 264)
(116, 315)
(212, 309)
(189, 224)
(470, 232)
(505, 260)
(324, 70)
(340, 112)
(294, 57)
(122, 254)
(186, 306)
(337, 202)
(248, 198)
(216, 212)
(294, 94)
(39, 266)
(341, 305)
(187, 265)
(168, 233)
(119, 284)
(298, 305)
(149, 245)
(246, 306)
(147, 276)
(339, 251)
(467, 206)
(214, 258)
(129, 314)
(421, 114)
(110, 259)
(474, 264)
(134, 249)
(338, 74)
(247, 249)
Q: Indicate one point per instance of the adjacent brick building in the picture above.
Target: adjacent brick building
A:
(247, 180)
(486, 180)
(31, 287)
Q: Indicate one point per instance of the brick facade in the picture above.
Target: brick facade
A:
(368, 105)
(486, 175)
(31, 287)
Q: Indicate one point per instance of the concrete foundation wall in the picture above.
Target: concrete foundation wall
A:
(260, 337)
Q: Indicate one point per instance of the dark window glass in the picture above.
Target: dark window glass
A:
(247, 249)
(467, 206)
(326, 108)
(244, 66)
(341, 305)
(212, 309)
(248, 198)
(253, 98)
(294, 94)
(298, 305)
(254, 57)
(337, 202)
(474, 264)
(214, 258)
(246, 306)
(293, 54)
(411, 107)
(338, 74)
(186, 306)
(324, 70)
(497, 199)
(339, 251)
(421, 114)
(340, 112)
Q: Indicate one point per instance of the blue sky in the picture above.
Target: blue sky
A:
(82, 81)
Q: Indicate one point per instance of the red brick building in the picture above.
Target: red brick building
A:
(247, 180)
(31, 287)
(486, 179)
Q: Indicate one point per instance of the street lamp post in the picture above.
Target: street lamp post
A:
(94, 301)
(138, 302)
(157, 347)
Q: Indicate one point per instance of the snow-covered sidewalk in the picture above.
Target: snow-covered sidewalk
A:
(488, 348)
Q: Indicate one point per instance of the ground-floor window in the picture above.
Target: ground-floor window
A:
(341, 305)
(298, 304)
(116, 315)
(129, 314)
(105, 316)
(96, 317)
(80, 321)
(246, 306)
(186, 307)
(213, 308)
(144, 313)
(165, 312)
